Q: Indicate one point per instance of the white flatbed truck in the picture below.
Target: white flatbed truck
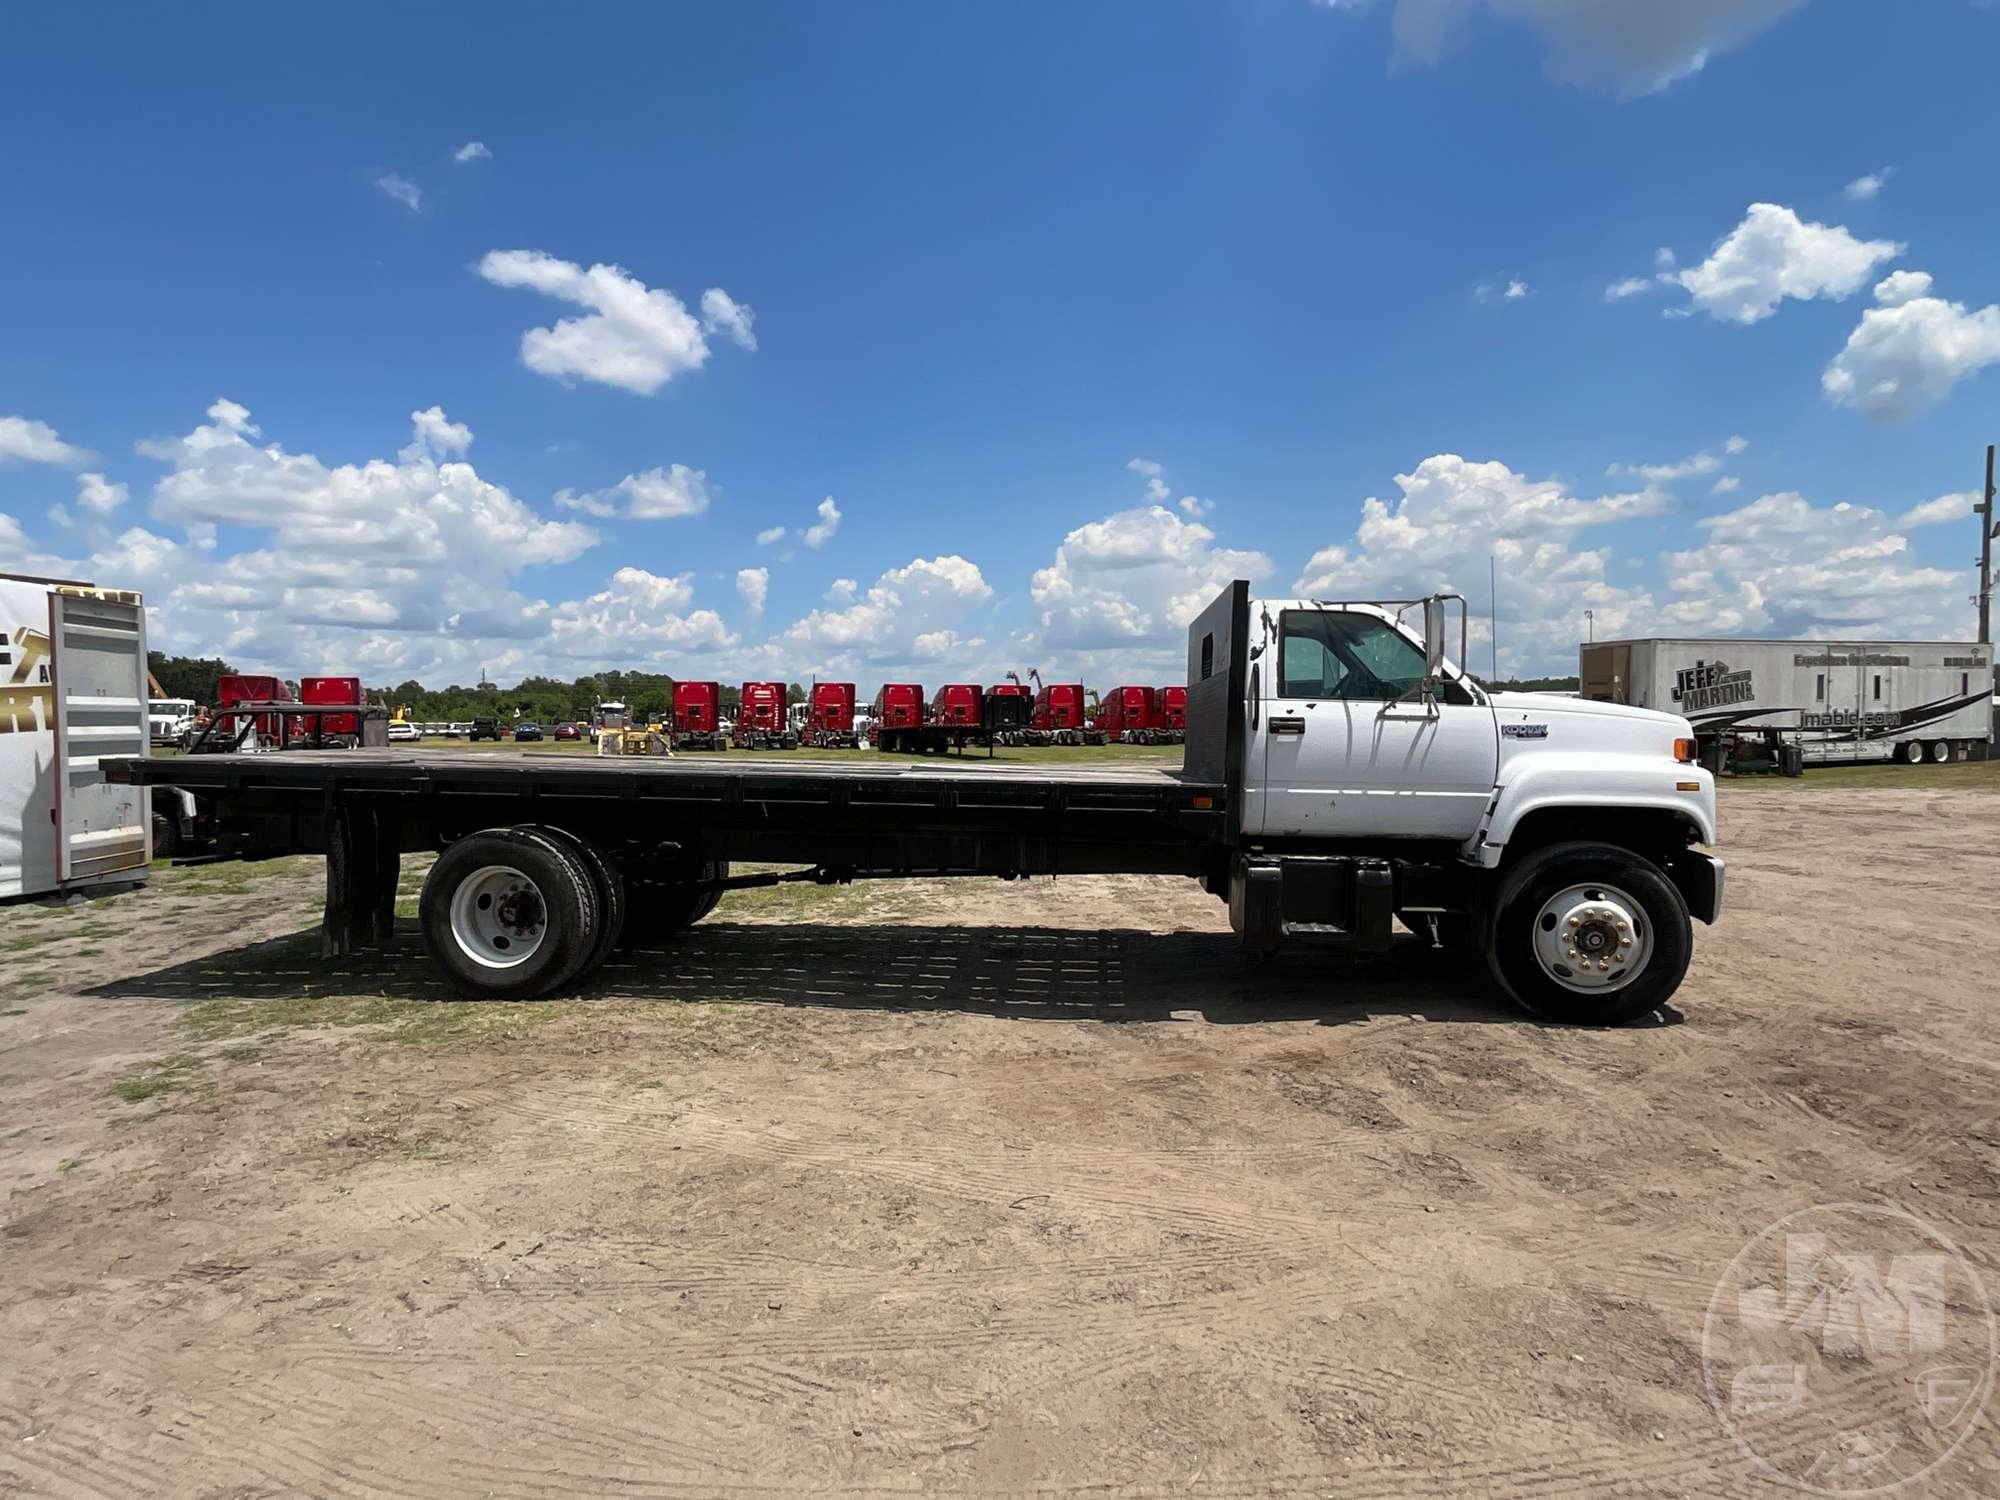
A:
(1339, 772)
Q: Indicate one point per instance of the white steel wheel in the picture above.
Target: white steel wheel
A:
(1592, 939)
(1940, 751)
(499, 918)
(1911, 753)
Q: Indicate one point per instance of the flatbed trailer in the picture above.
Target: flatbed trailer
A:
(1339, 774)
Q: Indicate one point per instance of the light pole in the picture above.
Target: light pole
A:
(1590, 624)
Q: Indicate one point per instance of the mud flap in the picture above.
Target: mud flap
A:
(363, 865)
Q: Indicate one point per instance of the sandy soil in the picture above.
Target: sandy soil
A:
(956, 1188)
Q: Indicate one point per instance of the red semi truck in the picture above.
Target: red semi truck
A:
(1172, 703)
(898, 707)
(697, 720)
(1126, 714)
(336, 731)
(761, 719)
(830, 717)
(1060, 716)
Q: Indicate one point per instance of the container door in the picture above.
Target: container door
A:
(102, 831)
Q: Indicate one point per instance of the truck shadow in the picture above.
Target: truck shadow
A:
(1021, 973)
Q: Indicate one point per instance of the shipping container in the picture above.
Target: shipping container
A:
(72, 692)
(1836, 702)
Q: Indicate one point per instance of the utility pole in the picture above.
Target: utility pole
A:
(1590, 624)
(1986, 533)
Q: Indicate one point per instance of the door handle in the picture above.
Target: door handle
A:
(1287, 726)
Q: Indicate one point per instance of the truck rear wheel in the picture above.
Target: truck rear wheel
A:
(509, 914)
(1589, 934)
(660, 908)
(608, 886)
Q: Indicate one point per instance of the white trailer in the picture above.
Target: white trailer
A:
(1838, 701)
(72, 691)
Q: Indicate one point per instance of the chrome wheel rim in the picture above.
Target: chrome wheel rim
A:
(1592, 939)
(498, 917)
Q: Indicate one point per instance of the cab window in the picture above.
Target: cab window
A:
(1331, 654)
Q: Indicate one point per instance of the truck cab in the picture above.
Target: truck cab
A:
(1378, 778)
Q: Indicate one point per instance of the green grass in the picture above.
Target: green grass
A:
(420, 1023)
(69, 1164)
(1959, 776)
(170, 1075)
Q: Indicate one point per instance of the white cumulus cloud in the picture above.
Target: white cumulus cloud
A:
(1772, 255)
(1910, 350)
(1936, 512)
(661, 494)
(633, 336)
(770, 535)
(754, 584)
(821, 531)
(24, 440)
(1867, 186)
(471, 151)
(99, 496)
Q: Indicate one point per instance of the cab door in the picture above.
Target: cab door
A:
(1347, 747)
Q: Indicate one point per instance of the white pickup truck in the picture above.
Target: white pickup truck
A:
(1340, 773)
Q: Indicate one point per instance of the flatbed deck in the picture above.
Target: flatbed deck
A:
(862, 779)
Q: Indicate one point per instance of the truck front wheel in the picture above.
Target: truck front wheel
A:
(1589, 934)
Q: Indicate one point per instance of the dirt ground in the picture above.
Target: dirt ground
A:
(957, 1187)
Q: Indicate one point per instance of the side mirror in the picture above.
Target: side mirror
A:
(1433, 641)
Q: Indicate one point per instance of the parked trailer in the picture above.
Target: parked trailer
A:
(829, 717)
(1836, 702)
(697, 717)
(761, 721)
(72, 692)
(1127, 714)
(1552, 840)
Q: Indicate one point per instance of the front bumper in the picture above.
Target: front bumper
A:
(1698, 877)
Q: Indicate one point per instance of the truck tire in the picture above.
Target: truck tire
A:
(509, 914)
(166, 836)
(1940, 751)
(1911, 752)
(661, 908)
(609, 887)
(1603, 900)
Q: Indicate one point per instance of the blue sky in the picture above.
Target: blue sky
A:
(1072, 312)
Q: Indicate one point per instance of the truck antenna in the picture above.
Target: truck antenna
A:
(1493, 608)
